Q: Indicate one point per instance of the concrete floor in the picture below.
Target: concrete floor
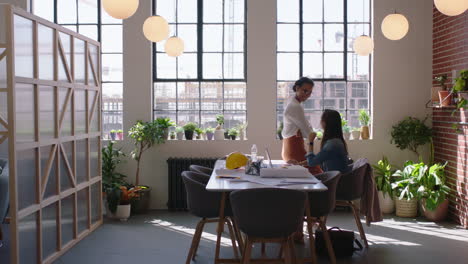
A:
(164, 237)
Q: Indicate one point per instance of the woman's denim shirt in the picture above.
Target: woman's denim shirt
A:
(332, 157)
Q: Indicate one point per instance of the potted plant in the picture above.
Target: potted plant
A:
(241, 128)
(180, 133)
(405, 189)
(346, 132)
(219, 132)
(111, 179)
(279, 131)
(189, 129)
(144, 136)
(172, 135)
(383, 179)
(364, 119)
(199, 132)
(165, 123)
(319, 135)
(113, 134)
(209, 131)
(233, 133)
(356, 133)
(445, 96)
(412, 133)
(433, 191)
(461, 88)
(120, 134)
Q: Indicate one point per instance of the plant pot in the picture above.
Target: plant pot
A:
(209, 136)
(387, 205)
(141, 204)
(437, 215)
(122, 213)
(226, 135)
(406, 208)
(365, 134)
(113, 136)
(435, 94)
(346, 135)
(188, 135)
(445, 98)
(173, 137)
(180, 135)
(241, 134)
(280, 136)
(120, 135)
(219, 134)
(166, 133)
(463, 95)
(356, 134)
(232, 137)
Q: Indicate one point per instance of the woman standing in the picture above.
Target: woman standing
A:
(296, 126)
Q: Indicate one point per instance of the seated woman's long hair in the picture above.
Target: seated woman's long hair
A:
(332, 121)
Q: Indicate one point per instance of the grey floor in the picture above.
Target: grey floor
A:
(164, 237)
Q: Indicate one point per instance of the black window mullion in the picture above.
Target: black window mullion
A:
(301, 32)
(200, 39)
(345, 62)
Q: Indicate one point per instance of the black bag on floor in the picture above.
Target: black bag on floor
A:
(342, 241)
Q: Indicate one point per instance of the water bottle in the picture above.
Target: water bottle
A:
(253, 152)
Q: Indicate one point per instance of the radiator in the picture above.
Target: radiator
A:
(177, 197)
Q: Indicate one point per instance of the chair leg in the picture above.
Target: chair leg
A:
(313, 255)
(195, 240)
(238, 236)
(247, 252)
(293, 249)
(233, 240)
(359, 224)
(331, 252)
(263, 249)
(198, 239)
(287, 252)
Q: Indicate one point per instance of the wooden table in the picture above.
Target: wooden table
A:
(225, 186)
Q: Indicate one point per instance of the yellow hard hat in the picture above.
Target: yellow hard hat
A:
(236, 160)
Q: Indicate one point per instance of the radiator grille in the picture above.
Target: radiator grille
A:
(177, 197)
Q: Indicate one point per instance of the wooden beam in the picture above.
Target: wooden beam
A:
(64, 59)
(70, 172)
(45, 177)
(62, 114)
(3, 54)
(91, 63)
(3, 122)
(93, 106)
(2, 138)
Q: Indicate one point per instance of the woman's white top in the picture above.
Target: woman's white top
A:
(294, 119)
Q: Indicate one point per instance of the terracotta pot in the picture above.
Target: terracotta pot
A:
(445, 98)
(365, 134)
(387, 205)
(356, 134)
(437, 215)
(406, 208)
(435, 94)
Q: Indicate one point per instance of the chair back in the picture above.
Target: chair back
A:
(201, 202)
(201, 169)
(268, 212)
(351, 185)
(323, 203)
(199, 177)
(4, 189)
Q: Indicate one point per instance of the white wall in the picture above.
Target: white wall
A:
(401, 84)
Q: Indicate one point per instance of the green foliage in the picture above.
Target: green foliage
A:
(344, 122)
(199, 131)
(113, 131)
(319, 134)
(460, 82)
(411, 133)
(364, 117)
(383, 175)
(190, 126)
(164, 122)
(111, 179)
(209, 130)
(441, 80)
(406, 184)
(220, 119)
(120, 131)
(233, 132)
(179, 129)
(432, 185)
(280, 128)
(346, 129)
(356, 129)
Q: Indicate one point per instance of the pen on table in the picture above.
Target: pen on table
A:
(228, 177)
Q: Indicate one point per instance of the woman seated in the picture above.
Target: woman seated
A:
(333, 153)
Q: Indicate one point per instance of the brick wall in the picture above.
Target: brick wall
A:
(450, 52)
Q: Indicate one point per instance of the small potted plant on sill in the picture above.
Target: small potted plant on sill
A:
(209, 132)
(241, 128)
(279, 131)
(180, 133)
(356, 133)
(172, 135)
(113, 134)
(165, 123)
(199, 132)
(433, 191)
(405, 189)
(219, 132)
(189, 129)
(445, 96)
(364, 119)
(233, 133)
(383, 180)
(120, 134)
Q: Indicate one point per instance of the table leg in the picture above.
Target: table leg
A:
(220, 228)
(311, 233)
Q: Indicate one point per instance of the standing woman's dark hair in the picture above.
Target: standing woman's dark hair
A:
(302, 81)
(332, 122)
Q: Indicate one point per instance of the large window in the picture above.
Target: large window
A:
(210, 77)
(315, 39)
(88, 18)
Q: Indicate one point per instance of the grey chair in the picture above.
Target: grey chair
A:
(4, 193)
(201, 169)
(198, 176)
(350, 188)
(320, 205)
(268, 215)
(205, 205)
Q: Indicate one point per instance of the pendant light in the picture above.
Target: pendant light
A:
(156, 28)
(451, 7)
(174, 46)
(363, 45)
(395, 26)
(120, 9)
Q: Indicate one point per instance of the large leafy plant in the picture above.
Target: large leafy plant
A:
(406, 186)
(412, 133)
(432, 184)
(384, 175)
(144, 135)
(164, 122)
(111, 179)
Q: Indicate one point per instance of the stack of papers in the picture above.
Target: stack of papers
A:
(292, 171)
